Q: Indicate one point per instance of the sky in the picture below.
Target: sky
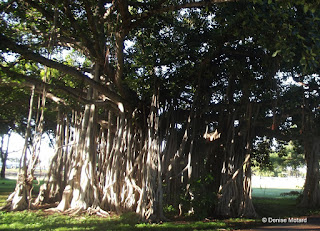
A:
(16, 144)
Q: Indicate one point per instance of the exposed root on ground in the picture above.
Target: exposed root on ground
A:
(45, 206)
(79, 211)
(98, 211)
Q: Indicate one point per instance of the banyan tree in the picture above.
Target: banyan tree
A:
(137, 88)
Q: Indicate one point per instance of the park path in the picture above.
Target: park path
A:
(312, 224)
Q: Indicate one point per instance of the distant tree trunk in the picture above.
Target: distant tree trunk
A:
(4, 162)
(4, 154)
(311, 192)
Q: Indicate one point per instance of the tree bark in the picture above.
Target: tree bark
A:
(81, 191)
(234, 195)
(246, 206)
(4, 155)
(311, 192)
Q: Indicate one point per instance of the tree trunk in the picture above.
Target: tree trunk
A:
(4, 155)
(150, 201)
(81, 191)
(230, 172)
(246, 206)
(234, 195)
(3, 167)
(311, 192)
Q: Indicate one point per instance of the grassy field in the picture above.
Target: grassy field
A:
(268, 202)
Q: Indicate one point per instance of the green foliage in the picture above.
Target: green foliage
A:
(261, 156)
(13, 111)
(201, 200)
(285, 162)
(170, 211)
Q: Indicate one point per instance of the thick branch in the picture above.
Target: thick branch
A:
(26, 53)
(30, 81)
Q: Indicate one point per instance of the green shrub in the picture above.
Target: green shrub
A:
(170, 211)
(200, 200)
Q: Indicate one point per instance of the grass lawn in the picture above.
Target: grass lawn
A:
(268, 202)
(6, 187)
(272, 192)
(280, 208)
(41, 221)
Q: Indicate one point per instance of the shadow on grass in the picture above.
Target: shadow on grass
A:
(29, 220)
(281, 207)
(7, 185)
